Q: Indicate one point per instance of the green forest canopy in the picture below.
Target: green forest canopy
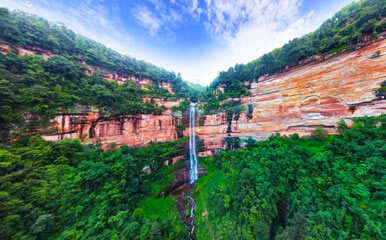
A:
(293, 189)
(69, 190)
(21, 29)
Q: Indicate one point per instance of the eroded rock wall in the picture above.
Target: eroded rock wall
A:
(132, 130)
(317, 94)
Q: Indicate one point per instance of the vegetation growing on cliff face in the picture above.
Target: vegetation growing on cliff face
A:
(344, 30)
(292, 188)
(65, 190)
(381, 92)
(21, 29)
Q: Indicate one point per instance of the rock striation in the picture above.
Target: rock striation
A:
(304, 97)
(90, 125)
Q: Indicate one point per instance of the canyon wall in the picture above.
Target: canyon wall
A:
(317, 94)
(90, 125)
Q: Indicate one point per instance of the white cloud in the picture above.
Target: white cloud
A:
(163, 19)
(28, 4)
(243, 30)
(265, 25)
(246, 29)
(147, 19)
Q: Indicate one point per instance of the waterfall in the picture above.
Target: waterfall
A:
(192, 144)
(193, 169)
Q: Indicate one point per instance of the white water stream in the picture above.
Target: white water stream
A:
(193, 168)
(192, 144)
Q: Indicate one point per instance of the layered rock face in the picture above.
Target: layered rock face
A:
(318, 94)
(132, 130)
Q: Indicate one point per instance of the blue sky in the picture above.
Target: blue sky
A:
(197, 38)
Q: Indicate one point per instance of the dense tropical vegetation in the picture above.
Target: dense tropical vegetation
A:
(295, 188)
(68, 190)
(344, 30)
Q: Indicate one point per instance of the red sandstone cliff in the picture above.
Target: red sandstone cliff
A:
(317, 94)
(133, 130)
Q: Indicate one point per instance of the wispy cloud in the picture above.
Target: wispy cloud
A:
(251, 28)
(243, 29)
(228, 18)
(159, 20)
(147, 19)
(246, 29)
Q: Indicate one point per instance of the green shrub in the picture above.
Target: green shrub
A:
(319, 133)
(63, 191)
(286, 189)
(295, 136)
(342, 126)
(180, 127)
(201, 121)
(250, 111)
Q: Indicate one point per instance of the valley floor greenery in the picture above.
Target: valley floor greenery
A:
(293, 188)
(67, 190)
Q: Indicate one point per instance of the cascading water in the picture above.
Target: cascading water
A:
(192, 144)
(187, 175)
(193, 168)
